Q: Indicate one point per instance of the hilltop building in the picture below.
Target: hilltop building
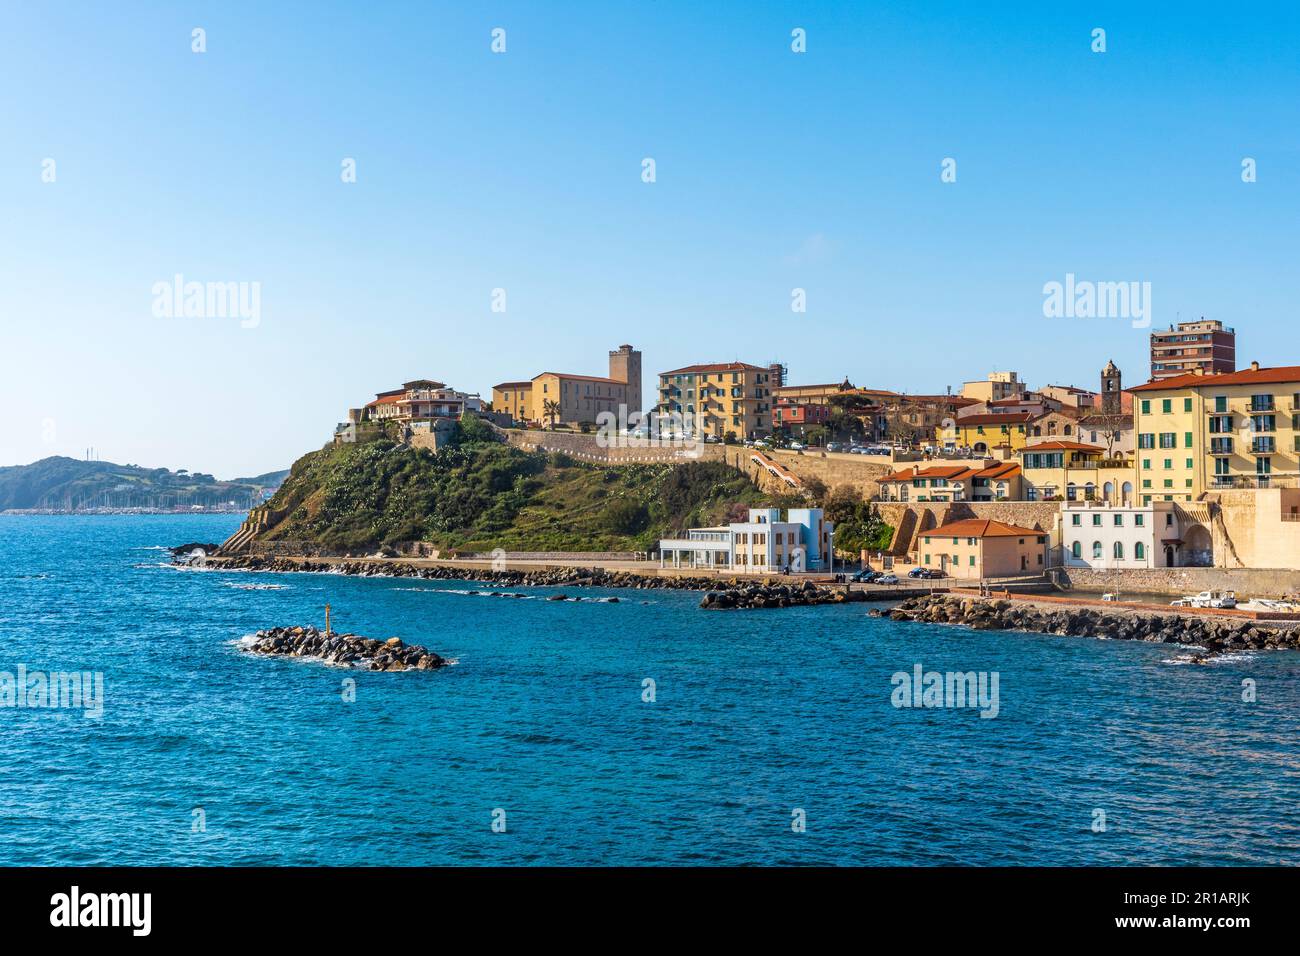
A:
(721, 398)
(1204, 346)
(560, 398)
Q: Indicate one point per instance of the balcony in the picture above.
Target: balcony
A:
(1255, 482)
(1263, 446)
(1255, 406)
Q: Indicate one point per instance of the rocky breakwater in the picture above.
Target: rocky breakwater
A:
(746, 596)
(1214, 635)
(538, 577)
(346, 650)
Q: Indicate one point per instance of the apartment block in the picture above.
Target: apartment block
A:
(1205, 346)
(1200, 432)
(715, 399)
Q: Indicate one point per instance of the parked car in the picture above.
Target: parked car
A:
(795, 446)
(712, 440)
(834, 446)
(917, 573)
(886, 579)
(865, 576)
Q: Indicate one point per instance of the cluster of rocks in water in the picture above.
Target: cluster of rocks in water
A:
(754, 595)
(1215, 635)
(349, 650)
(538, 577)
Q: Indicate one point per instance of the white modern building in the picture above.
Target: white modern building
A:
(1105, 536)
(762, 545)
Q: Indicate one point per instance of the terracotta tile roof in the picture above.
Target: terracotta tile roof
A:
(1006, 469)
(1260, 376)
(387, 398)
(581, 378)
(956, 472)
(981, 528)
(716, 367)
(509, 385)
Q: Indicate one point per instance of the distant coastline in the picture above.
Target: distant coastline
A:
(21, 512)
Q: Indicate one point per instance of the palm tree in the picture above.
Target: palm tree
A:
(551, 410)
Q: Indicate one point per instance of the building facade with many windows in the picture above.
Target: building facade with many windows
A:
(1205, 346)
(1198, 433)
(723, 397)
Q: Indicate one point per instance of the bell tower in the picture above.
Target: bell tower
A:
(1111, 387)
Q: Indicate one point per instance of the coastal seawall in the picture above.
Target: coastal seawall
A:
(1213, 635)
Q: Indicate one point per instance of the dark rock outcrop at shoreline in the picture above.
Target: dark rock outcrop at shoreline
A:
(1215, 635)
(754, 595)
(349, 650)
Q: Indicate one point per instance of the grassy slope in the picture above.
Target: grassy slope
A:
(483, 494)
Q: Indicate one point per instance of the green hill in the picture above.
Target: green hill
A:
(67, 484)
(482, 494)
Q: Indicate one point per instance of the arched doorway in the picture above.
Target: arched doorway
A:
(1198, 547)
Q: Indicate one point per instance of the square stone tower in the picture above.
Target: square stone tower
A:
(625, 366)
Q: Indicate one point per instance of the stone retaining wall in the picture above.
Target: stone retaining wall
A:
(1247, 582)
(586, 448)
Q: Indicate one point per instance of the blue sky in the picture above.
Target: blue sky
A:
(522, 171)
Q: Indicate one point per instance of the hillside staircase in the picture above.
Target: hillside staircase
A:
(258, 520)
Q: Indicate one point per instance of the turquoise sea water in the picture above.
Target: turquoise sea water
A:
(757, 714)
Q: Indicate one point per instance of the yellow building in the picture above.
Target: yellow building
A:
(715, 399)
(555, 398)
(983, 433)
(512, 399)
(997, 387)
(1059, 470)
(982, 548)
(1197, 432)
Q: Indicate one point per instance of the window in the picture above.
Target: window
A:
(1140, 551)
(1119, 550)
(1220, 403)
(1076, 549)
(1187, 404)
(1187, 439)
(1119, 520)
(1096, 521)
(1168, 440)
(1147, 440)
(1139, 520)
(1167, 405)
(1169, 463)
(972, 560)
(1096, 550)
(1146, 406)
(1076, 520)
